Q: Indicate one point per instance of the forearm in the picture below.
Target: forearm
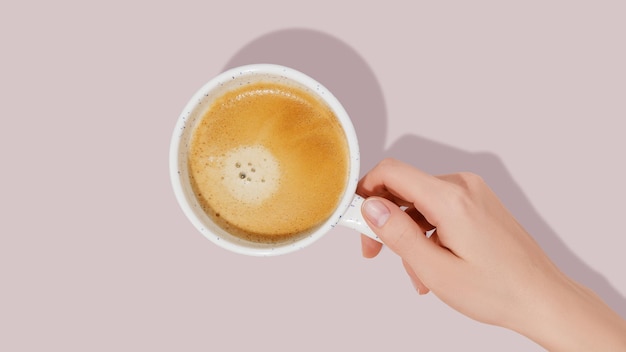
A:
(573, 318)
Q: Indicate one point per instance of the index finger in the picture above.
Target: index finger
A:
(408, 184)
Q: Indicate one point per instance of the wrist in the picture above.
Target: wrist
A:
(571, 317)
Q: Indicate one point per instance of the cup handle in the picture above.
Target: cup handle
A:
(353, 218)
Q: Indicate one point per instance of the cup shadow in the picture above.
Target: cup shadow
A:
(339, 68)
(345, 73)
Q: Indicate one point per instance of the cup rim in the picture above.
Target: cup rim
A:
(177, 164)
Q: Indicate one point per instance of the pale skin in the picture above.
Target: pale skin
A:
(480, 260)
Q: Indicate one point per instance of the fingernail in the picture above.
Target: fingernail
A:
(415, 286)
(376, 212)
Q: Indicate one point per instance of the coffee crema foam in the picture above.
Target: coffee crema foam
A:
(269, 162)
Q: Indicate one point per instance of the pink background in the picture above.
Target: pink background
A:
(95, 254)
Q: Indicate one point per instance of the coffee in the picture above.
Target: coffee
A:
(269, 162)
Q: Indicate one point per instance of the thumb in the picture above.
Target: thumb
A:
(401, 233)
(393, 226)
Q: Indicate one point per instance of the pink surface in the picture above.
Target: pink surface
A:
(95, 254)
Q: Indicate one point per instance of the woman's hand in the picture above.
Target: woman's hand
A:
(479, 259)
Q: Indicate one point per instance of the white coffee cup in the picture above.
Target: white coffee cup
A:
(348, 211)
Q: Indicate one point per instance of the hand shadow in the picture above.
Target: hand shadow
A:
(341, 69)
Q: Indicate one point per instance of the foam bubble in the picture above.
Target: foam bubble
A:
(250, 173)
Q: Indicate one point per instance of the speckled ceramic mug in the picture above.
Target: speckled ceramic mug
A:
(348, 211)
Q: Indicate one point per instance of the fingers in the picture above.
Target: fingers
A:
(419, 218)
(369, 247)
(401, 233)
(406, 185)
(417, 283)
